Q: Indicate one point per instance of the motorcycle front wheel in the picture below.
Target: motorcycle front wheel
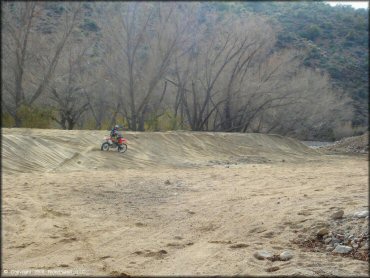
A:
(105, 146)
(122, 148)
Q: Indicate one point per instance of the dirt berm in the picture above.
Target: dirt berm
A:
(26, 150)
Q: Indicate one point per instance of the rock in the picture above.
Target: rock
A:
(340, 237)
(338, 214)
(364, 247)
(327, 240)
(323, 231)
(263, 254)
(334, 240)
(167, 182)
(342, 249)
(329, 248)
(286, 256)
(361, 214)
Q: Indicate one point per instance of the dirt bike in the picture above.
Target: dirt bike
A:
(109, 142)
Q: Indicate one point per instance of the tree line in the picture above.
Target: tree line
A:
(159, 66)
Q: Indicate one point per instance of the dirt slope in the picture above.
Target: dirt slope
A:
(26, 150)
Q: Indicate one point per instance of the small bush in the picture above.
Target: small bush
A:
(31, 117)
(165, 122)
(7, 120)
(35, 117)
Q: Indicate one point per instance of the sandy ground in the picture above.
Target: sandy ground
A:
(104, 213)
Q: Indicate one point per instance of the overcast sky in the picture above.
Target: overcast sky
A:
(354, 4)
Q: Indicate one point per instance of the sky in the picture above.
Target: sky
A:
(354, 4)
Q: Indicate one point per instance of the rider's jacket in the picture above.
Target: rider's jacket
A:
(113, 132)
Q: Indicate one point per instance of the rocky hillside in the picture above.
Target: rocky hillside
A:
(355, 144)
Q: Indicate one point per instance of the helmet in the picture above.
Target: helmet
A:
(116, 126)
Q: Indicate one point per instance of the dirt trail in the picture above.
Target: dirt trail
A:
(174, 204)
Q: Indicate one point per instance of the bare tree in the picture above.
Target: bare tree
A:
(140, 40)
(317, 111)
(101, 101)
(75, 78)
(237, 80)
(263, 87)
(33, 42)
(217, 57)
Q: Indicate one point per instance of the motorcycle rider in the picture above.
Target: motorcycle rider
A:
(114, 133)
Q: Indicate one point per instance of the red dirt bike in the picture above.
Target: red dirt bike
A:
(120, 144)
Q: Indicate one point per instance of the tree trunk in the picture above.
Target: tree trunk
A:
(227, 115)
(71, 123)
(18, 120)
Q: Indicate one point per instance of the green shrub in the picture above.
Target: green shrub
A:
(7, 120)
(35, 117)
(165, 122)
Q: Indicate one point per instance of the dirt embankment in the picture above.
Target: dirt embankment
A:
(27, 150)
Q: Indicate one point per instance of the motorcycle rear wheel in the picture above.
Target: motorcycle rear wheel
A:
(105, 146)
(122, 148)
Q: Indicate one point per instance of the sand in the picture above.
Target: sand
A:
(182, 203)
